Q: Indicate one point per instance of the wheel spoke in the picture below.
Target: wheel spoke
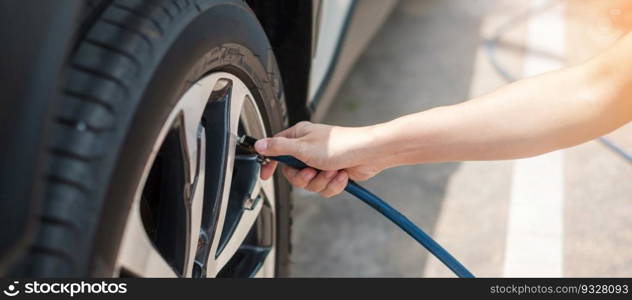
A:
(251, 119)
(267, 269)
(197, 201)
(138, 255)
(237, 97)
(253, 125)
(267, 188)
(212, 267)
(237, 94)
(192, 107)
(245, 223)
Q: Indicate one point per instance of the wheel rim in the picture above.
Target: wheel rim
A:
(200, 209)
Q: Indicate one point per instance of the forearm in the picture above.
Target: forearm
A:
(530, 117)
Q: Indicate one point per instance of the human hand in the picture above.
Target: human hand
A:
(341, 153)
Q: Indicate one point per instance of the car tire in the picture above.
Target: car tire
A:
(126, 74)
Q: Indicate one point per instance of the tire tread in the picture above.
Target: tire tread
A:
(76, 149)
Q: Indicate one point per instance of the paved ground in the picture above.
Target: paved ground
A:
(431, 53)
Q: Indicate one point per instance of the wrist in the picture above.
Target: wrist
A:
(380, 146)
(403, 141)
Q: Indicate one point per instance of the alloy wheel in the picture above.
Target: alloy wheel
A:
(200, 209)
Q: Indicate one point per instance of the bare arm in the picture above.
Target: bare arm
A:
(529, 117)
(532, 116)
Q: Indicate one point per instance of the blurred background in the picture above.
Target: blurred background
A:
(562, 214)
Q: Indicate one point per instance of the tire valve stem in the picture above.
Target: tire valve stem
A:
(247, 143)
(262, 160)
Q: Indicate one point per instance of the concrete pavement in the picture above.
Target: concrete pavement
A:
(431, 53)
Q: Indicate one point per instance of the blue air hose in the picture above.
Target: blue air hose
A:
(396, 217)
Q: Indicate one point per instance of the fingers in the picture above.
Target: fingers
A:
(278, 146)
(267, 170)
(336, 186)
(285, 142)
(299, 178)
(290, 142)
(320, 182)
(326, 183)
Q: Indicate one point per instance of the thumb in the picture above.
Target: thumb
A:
(278, 146)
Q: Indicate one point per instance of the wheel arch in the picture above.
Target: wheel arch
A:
(288, 25)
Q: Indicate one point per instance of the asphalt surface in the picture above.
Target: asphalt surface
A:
(431, 53)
